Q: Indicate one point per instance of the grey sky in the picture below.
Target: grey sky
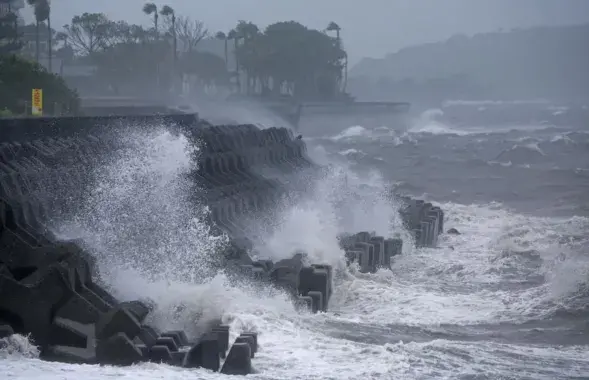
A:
(369, 27)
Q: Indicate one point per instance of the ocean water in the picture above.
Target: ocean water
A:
(508, 298)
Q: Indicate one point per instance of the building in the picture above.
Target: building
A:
(11, 6)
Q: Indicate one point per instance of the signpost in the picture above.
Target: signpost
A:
(37, 104)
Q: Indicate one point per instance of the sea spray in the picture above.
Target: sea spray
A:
(145, 225)
(17, 347)
(338, 201)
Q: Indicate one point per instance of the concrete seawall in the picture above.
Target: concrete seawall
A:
(49, 288)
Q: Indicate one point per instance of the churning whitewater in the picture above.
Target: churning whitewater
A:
(507, 298)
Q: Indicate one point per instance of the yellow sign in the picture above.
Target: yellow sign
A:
(37, 108)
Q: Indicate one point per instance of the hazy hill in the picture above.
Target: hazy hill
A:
(548, 62)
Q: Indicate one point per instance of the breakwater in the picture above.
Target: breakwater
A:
(50, 287)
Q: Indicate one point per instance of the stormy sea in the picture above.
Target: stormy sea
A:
(506, 298)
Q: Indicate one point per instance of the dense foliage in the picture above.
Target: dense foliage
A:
(309, 63)
(132, 58)
(19, 76)
(286, 57)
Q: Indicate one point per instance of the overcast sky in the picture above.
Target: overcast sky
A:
(370, 28)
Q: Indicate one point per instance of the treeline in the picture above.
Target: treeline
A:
(132, 59)
(542, 62)
(19, 76)
(283, 58)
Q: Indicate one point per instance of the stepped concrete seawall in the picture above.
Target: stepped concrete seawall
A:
(51, 288)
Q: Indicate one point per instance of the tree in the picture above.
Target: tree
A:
(169, 17)
(169, 14)
(121, 32)
(49, 37)
(308, 62)
(247, 30)
(129, 56)
(62, 37)
(284, 57)
(223, 37)
(208, 67)
(249, 33)
(42, 9)
(125, 66)
(232, 36)
(190, 32)
(66, 52)
(151, 9)
(9, 34)
(89, 33)
(18, 76)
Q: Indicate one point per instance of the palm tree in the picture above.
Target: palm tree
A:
(33, 3)
(223, 37)
(42, 10)
(49, 37)
(233, 35)
(151, 9)
(168, 12)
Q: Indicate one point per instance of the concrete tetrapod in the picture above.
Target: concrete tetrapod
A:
(51, 289)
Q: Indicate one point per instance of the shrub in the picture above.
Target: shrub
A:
(19, 76)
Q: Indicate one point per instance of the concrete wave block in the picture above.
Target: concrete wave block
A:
(317, 298)
(168, 342)
(315, 279)
(179, 337)
(248, 339)
(254, 336)
(239, 360)
(118, 320)
(160, 354)
(204, 354)
(222, 334)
